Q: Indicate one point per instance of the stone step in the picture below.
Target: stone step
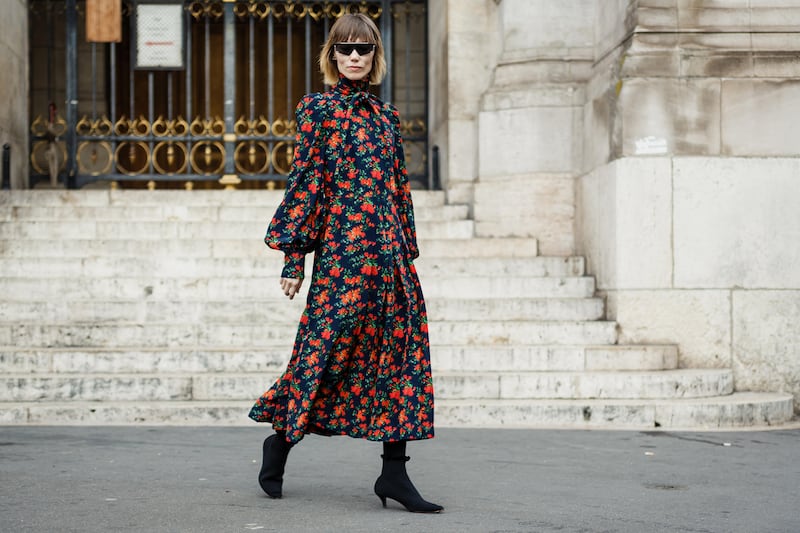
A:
(490, 247)
(547, 358)
(442, 308)
(516, 309)
(280, 310)
(270, 263)
(514, 385)
(122, 197)
(156, 288)
(512, 332)
(501, 266)
(487, 333)
(448, 385)
(185, 213)
(158, 198)
(687, 383)
(254, 247)
(110, 230)
(631, 357)
(96, 387)
(739, 410)
(274, 359)
(752, 410)
(142, 360)
(82, 312)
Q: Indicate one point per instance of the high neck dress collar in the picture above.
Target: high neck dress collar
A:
(348, 87)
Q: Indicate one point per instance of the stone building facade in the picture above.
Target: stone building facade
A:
(655, 137)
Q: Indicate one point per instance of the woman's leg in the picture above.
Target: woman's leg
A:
(275, 451)
(394, 482)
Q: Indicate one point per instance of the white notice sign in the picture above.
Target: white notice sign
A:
(159, 36)
(651, 145)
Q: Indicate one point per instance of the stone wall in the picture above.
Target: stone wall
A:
(14, 89)
(686, 210)
(697, 78)
(653, 137)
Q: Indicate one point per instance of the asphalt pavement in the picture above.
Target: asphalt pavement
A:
(189, 479)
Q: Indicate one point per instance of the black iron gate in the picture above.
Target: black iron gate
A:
(224, 116)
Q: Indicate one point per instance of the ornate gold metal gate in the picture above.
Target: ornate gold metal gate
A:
(225, 117)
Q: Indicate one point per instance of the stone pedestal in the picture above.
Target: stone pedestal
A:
(700, 251)
(687, 248)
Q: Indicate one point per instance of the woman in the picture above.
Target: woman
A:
(360, 364)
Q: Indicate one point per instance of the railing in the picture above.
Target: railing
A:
(226, 117)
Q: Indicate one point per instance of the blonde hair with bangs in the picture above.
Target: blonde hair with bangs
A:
(353, 27)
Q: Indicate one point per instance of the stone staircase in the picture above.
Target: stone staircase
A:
(163, 307)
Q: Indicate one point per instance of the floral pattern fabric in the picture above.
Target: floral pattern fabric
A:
(361, 362)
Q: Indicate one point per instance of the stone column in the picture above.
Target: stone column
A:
(438, 108)
(688, 212)
(463, 49)
(530, 123)
(14, 88)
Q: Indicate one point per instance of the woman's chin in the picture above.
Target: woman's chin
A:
(356, 75)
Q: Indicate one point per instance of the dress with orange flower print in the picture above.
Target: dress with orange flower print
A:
(361, 362)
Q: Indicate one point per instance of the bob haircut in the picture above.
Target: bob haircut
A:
(353, 27)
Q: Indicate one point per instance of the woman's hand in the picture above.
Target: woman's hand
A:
(291, 286)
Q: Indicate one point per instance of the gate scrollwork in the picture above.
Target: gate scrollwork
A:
(228, 111)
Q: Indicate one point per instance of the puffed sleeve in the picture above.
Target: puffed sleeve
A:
(403, 188)
(298, 220)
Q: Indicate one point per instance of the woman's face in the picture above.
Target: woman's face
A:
(357, 64)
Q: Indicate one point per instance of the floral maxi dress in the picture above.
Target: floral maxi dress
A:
(361, 362)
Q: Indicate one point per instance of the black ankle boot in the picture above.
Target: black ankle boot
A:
(394, 482)
(275, 452)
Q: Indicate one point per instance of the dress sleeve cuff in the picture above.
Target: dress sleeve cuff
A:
(294, 265)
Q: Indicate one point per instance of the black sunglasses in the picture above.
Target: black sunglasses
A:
(361, 49)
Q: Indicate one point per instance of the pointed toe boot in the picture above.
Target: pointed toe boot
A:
(395, 484)
(275, 451)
